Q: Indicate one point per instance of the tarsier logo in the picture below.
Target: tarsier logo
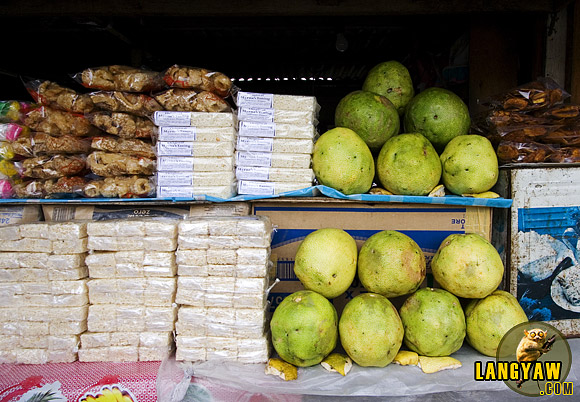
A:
(533, 359)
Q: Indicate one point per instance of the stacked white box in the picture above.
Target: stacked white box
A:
(223, 277)
(131, 290)
(195, 154)
(275, 142)
(43, 292)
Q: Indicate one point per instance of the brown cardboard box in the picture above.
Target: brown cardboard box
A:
(12, 214)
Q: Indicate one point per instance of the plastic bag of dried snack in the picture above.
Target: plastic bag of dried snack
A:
(120, 78)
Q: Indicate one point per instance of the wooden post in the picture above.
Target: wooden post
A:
(575, 59)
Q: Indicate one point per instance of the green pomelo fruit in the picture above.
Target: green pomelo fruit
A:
(490, 318)
(409, 165)
(304, 328)
(343, 161)
(439, 115)
(390, 263)
(467, 265)
(434, 322)
(370, 329)
(392, 80)
(373, 117)
(326, 261)
(470, 165)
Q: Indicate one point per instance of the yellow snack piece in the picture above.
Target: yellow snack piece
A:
(434, 364)
(438, 191)
(406, 358)
(379, 191)
(487, 194)
(282, 369)
(338, 363)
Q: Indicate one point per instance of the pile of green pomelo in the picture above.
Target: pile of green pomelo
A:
(412, 143)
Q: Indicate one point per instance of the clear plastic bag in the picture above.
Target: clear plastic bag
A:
(11, 131)
(120, 187)
(64, 187)
(120, 78)
(51, 94)
(14, 111)
(540, 94)
(112, 164)
(123, 125)
(127, 102)
(129, 146)
(529, 152)
(46, 144)
(199, 79)
(57, 122)
(189, 100)
(53, 167)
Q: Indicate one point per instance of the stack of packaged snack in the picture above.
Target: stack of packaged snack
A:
(223, 277)
(43, 292)
(275, 142)
(531, 124)
(124, 161)
(196, 135)
(131, 290)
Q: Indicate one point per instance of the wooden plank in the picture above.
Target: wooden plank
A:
(269, 7)
(575, 58)
(556, 46)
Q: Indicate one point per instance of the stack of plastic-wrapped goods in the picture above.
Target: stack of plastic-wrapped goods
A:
(123, 161)
(275, 143)
(196, 135)
(532, 124)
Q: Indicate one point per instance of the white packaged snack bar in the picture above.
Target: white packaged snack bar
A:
(118, 227)
(27, 245)
(271, 159)
(115, 243)
(24, 260)
(277, 145)
(198, 119)
(156, 227)
(70, 246)
(139, 291)
(135, 318)
(178, 170)
(252, 187)
(67, 230)
(194, 227)
(274, 174)
(191, 257)
(253, 256)
(278, 130)
(277, 101)
(68, 274)
(224, 192)
(197, 149)
(59, 262)
(277, 115)
(187, 354)
(10, 232)
(44, 294)
(201, 134)
(159, 243)
(34, 230)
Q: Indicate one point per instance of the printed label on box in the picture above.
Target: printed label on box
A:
(254, 159)
(255, 100)
(256, 188)
(256, 144)
(177, 133)
(256, 129)
(255, 114)
(168, 179)
(175, 163)
(164, 118)
(252, 173)
(175, 148)
(175, 192)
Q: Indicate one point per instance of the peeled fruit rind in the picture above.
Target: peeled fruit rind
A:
(370, 330)
(470, 165)
(391, 264)
(304, 328)
(326, 261)
(431, 365)
(490, 318)
(434, 322)
(439, 115)
(392, 80)
(343, 161)
(409, 165)
(406, 358)
(282, 369)
(467, 265)
(373, 117)
(337, 362)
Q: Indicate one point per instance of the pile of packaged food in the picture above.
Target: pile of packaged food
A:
(275, 142)
(532, 124)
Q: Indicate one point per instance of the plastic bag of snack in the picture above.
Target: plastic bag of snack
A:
(501, 118)
(566, 155)
(116, 101)
(120, 187)
(51, 94)
(111, 164)
(565, 114)
(524, 134)
(540, 94)
(190, 100)
(11, 131)
(564, 135)
(6, 189)
(517, 152)
(13, 111)
(8, 169)
(6, 151)
(52, 167)
(120, 78)
(58, 122)
(123, 125)
(52, 188)
(199, 79)
(130, 146)
(46, 144)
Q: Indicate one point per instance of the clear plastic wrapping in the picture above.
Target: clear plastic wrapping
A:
(41, 143)
(540, 94)
(196, 134)
(188, 100)
(126, 102)
(255, 187)
(110, 164)
(194, 119)
(64, 186)
(274, 174)
(120, 78)
(224, 192)
(123, 354)
(189, 268)
(242, 257)
(297, 117)
(12, 131)
(126, 338)
(51, 94)
(133, 227)
(124, 125)
(53, 167)
(179, 76)
(259, 129)
(116, 243)
(277, 145)
(196, 149)
(131, 264)
(57, 122)
(44, 294)
(277, 101)
(44, 314)
(120, 187)
(12, 111)
(126, 146)
(139, 291)
(214, 291)
(178, 170)
(137, 318)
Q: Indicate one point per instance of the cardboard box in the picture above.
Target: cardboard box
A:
(543, 233)
(428, 225)
(10, 215)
